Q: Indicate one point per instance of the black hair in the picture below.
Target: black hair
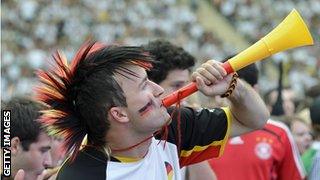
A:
(315, 116)
(315, 111)
(250, 74)
(167, 57)
(24, 115)
(80, 95)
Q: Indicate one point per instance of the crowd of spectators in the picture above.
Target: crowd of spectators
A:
(254, 19)
(33, 29)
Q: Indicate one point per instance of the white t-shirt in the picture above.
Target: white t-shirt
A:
(203, 136)
(166, 166)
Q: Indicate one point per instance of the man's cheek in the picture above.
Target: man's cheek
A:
(146, 109)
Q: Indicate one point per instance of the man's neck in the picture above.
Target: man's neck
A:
(129, 146)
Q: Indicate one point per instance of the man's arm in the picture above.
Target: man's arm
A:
(248, 111)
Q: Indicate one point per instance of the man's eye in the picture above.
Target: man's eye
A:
(44, 150)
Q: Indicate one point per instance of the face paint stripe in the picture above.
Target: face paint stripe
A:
(145, 108)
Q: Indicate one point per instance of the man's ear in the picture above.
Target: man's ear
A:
(15, 145)
(119, 114)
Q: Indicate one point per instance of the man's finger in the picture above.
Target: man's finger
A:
(211, 76)
(48, 173)
(200, 82)
(20, 175)
(41, 176)
(219, 68)
(194, 76)
(212, 70)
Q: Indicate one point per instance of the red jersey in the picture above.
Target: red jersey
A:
(269, 153)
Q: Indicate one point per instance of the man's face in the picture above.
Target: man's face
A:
(57, 152)
(36, 159)
(302, 135)
(145, 110)
(175, 80)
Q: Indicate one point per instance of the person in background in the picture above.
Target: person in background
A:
(315, 169)
(288, 106)
(30, 143)
(301, 133)
(311, 158)
(172, 70)
(57, 151)
(172, 67)
(269, 153)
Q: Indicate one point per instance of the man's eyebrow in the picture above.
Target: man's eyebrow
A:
(143, 80)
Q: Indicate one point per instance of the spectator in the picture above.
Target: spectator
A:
(287, 101)
(309, 156)
(314, 173)
(301, 133)
(30, 144)
(106, 94)
(57, 151)
(31, 28)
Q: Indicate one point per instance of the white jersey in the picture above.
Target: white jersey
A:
(204, 134)
(159, 163)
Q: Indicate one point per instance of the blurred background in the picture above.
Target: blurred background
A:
(208, 29)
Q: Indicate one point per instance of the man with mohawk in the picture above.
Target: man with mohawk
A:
(106, 95)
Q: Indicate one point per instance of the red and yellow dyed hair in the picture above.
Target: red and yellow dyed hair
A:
(59, 87)
(55, 92)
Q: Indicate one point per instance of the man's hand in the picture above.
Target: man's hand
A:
(50, 174)
(211, 78)
(20, 175)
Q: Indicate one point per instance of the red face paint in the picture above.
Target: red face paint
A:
(145, 109)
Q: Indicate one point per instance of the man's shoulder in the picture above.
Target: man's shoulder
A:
(281, 130)
(181, 109)
(277, 126)
(88, 164)
(191, 113)
(272, 128)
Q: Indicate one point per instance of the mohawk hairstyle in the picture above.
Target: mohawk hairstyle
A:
(78, 95)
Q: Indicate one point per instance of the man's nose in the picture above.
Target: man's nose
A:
(47, 161)
(157, 90)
